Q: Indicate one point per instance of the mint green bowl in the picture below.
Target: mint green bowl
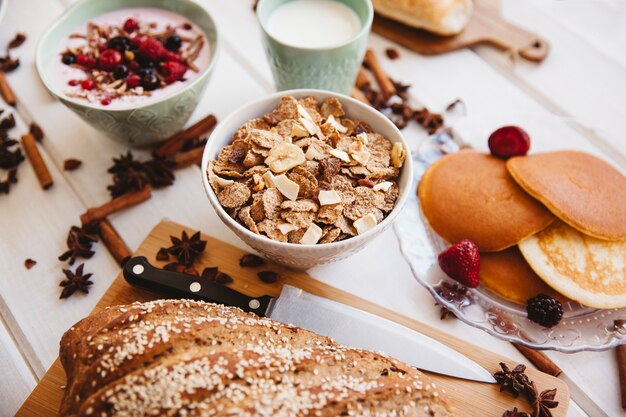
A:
(140, 125)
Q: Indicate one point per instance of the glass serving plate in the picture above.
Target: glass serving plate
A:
(582, 328)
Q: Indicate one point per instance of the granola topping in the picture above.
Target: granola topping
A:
(306, 173)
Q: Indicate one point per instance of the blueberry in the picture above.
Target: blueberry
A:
(145, 71)
(68, 58)
(150, 81)
(121, 71)
(119, 43)
(144, 61)
(173, 42)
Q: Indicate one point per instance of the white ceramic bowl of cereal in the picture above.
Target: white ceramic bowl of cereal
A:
(298, 255)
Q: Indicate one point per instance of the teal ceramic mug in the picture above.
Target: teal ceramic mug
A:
(146, 123)
(331, 68)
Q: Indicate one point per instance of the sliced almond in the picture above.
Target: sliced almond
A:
(338, 153)
(268, 177)
(398, 154)
(383, 186)
(365, 223)
(286, 187)
(336, 124)
(363, 138)
(286, 228)
(362, 157)
(312, 235)
(298, 131)
(284, 156)
(328, 197)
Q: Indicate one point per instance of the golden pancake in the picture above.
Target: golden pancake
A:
(583, 268)
(470, 195)
(507, 274)
(582, 190)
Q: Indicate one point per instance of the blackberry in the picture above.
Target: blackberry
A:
(544, 310)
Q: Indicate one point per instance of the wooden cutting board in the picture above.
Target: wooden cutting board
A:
(474, 398)
(486, 26)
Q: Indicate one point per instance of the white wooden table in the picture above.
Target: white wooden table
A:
(575, 99)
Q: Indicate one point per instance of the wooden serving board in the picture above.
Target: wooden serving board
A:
(473, 398)
(486, 26)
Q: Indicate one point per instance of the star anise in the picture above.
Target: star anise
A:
(8, 64)
(75, 281)
(79, 241)
(429, 121)
(124, 163)
(8, 122)
(5, 186)
(541, 402)
(514, 381)
(186, 249)
(159, 172)
(514, 413)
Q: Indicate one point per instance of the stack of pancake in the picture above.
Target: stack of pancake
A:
(552, 223)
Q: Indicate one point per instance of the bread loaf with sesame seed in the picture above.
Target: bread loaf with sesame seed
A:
(190, 358)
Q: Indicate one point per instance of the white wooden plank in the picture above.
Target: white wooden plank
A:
(577, 79)
(595, 21)
(34, 224)
(18, 379)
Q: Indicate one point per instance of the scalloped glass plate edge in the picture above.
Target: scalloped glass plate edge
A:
(585, 329)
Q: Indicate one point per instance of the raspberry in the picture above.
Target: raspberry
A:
(109, 59)
(131, 25)
(509, 141)
(461, 262)
(171, 56)
(544, 310)
(152, 48)
(105, 101)
(86, 61)
(87, 85)
(173, 71)
(133, 80)
(73, 83)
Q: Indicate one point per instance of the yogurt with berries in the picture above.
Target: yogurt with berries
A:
(131, 56)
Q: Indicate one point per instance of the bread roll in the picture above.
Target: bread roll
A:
(443, 17)
(189, 358)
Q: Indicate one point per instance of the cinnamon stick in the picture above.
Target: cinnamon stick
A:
(115, 205)
(39, 165)
(114, 243)
(539, 359)
(358, 94)
(384, 82)
(176, 142)
(362, 80)
(621, 367)
(188, 158)
(6, 92)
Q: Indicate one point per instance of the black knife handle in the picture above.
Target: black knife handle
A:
(139, 272)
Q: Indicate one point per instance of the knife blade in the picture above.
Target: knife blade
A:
(346, 325)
